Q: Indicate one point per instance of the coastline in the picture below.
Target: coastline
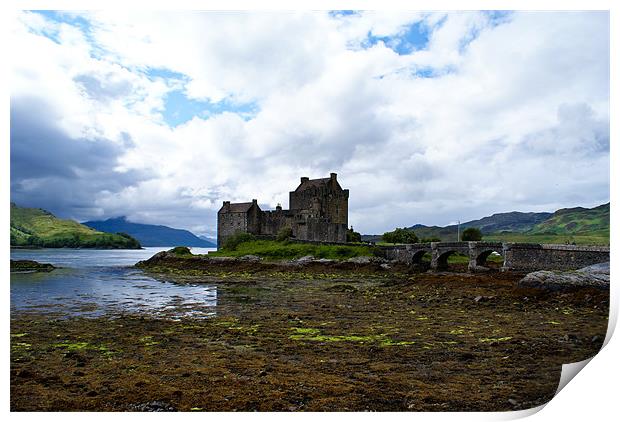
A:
(252, 266)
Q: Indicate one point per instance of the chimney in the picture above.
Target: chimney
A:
(304, 179)
(332, 176)
(254, 201)
(226, 203)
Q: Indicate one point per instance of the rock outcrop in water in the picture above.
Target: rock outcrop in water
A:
(18, 266)
(592, 276)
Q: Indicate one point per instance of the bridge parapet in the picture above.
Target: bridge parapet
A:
(533, 256)
(410, 254)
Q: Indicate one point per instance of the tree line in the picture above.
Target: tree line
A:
(406, 235)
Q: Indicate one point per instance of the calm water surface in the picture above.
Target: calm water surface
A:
(103, 282)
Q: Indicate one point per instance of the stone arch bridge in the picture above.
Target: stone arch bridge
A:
(516, 256)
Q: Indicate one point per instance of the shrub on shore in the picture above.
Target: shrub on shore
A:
(285, 233)
(471, 234)
(236, 239)
(180, 250)
(399, 235)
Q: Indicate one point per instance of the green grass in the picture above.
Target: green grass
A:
(37, 227)
(274, 250)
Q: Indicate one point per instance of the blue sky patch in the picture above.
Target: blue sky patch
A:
(76, 21)
(414, 38)
(165, 74)
(179, 109)
(68, 18)
(494, 18)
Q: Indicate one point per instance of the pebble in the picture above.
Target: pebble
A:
(154, 406)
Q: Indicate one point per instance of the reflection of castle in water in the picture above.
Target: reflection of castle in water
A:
(318, 211)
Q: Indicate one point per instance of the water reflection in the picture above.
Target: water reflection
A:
(97, 290)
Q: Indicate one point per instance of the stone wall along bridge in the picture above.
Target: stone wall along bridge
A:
(517, 256)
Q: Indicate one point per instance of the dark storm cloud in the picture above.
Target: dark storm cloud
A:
(51, 170)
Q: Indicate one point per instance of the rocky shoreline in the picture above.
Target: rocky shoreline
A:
(181, 261)
(169, 261)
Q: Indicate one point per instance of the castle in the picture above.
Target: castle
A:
(318, 211)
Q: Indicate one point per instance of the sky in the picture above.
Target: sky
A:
(427, 117)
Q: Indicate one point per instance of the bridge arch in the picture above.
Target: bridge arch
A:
(416, 257)
(479, 252)
(443, 250)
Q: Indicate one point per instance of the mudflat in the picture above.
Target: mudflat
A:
(316, 342)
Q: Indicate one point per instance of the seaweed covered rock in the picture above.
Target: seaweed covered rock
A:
(180, 250)
(30, 266)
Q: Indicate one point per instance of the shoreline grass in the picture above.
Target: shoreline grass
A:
(274, 250)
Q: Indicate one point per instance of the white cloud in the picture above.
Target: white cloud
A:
(516, 117)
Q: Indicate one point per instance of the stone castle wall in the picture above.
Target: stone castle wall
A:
(273, 221)
(230, 223)
(318, 211)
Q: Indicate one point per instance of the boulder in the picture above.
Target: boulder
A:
(305, 259)
(250, 258)
(362, 260)
(593, 276)
(30, 266)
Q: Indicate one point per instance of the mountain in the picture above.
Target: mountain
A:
(208, 239)
(518, 222)
(573, 225)
(151, 235)
(514, 222)
(38, 227)
(576, 221)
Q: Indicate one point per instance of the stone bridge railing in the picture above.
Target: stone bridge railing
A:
(517, 256)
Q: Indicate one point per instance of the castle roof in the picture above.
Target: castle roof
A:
(313, 183)
(240, 207)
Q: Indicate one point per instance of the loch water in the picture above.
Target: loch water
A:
(93, 283)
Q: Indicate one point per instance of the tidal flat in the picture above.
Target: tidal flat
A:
(308, 342)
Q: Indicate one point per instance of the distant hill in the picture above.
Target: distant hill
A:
(578, 225)
(208, 239)
(151, 235)
(576, 221)
(36, 227)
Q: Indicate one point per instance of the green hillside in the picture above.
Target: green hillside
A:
(39, 228)
(576, 221)
(581, 226)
